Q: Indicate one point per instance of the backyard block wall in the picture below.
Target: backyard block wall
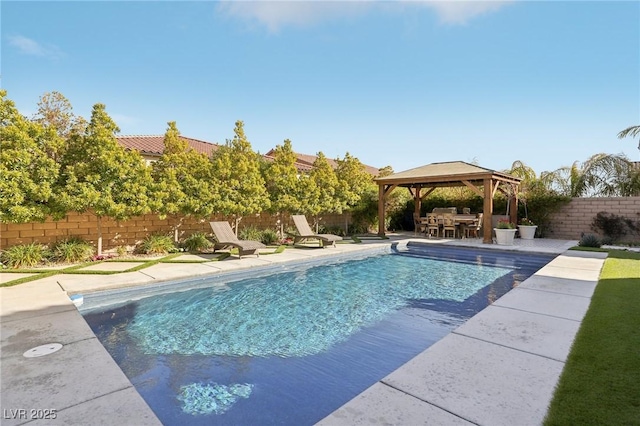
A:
(132, 231)
(575, 218)
(569, 223)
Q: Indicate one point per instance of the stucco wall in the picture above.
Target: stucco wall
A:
(132, 231)
(575, 218)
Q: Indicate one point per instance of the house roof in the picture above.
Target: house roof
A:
(445, 173)
(154, 145)
(304, 162)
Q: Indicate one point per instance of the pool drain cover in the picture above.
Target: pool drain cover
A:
(43, 350)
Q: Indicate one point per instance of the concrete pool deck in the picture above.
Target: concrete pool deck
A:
(500, 367)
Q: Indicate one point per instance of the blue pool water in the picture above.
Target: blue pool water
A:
(293, 346)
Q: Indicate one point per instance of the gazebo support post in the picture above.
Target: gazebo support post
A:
(513, 205)
(381, 204)
(487, 230)
(417, 200)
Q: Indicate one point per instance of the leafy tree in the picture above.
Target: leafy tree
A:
(365, 212)
(321, 190)
(283, 182)
(55, 112)
(183, 181)
(237, 169)
(385, 171)
(353, 182)
(28, 175)
(100, 176)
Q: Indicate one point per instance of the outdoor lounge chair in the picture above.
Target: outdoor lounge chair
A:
(305, 232)
(227, 239)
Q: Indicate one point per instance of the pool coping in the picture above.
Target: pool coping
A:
(82, 382)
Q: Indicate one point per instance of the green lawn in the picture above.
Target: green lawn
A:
(600, 384)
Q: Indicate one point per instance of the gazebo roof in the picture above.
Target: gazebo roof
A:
(445, 174)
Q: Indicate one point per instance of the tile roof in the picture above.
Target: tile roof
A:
(304, 162)
(154, 145)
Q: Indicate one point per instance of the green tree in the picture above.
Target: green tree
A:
(183, 180)
(601, 175)
(321, 190)
(28, 175)
(55, 112)
(566, 180)
(283, 182)
(365, 213)
(241, 186)
(353, 182)
(100, 176)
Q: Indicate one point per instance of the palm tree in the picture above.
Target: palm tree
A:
(632, 132)
(566, 180)
(602, 175)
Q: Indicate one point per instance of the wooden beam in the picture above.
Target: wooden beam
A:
(495, 188)
(426, 194)
(388, 189)
(473, 188)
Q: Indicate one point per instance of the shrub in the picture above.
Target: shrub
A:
(197, 242)
(335, 230)
(24, 255)
(291, 231)
(614, 227)
(72, 250)
(156, 244)
(250, 233)
(589, 240)
(358, 228)
(269, 236)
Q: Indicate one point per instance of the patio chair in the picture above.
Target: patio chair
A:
(474, 228)
(305, 232)
(448, 224)
(418, 224)
(433, 225)
(226, 239)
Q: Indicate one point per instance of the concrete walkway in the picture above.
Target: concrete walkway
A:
(499, 366)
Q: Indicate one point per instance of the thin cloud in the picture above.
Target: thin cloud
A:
(31, 47)
(274, 15)
(277, 14)
(460, 12)
(123, 119)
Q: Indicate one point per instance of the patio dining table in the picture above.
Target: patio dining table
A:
(464, 220)
(461, 221)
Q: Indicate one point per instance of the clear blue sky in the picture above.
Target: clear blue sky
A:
(393, 83)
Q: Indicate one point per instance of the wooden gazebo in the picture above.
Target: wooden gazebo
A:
(423, 180)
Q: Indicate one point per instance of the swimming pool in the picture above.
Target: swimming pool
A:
(289, 346)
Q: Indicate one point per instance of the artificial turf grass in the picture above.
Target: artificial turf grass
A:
(600, 383)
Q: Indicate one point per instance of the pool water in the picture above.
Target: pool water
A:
(291, 347)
